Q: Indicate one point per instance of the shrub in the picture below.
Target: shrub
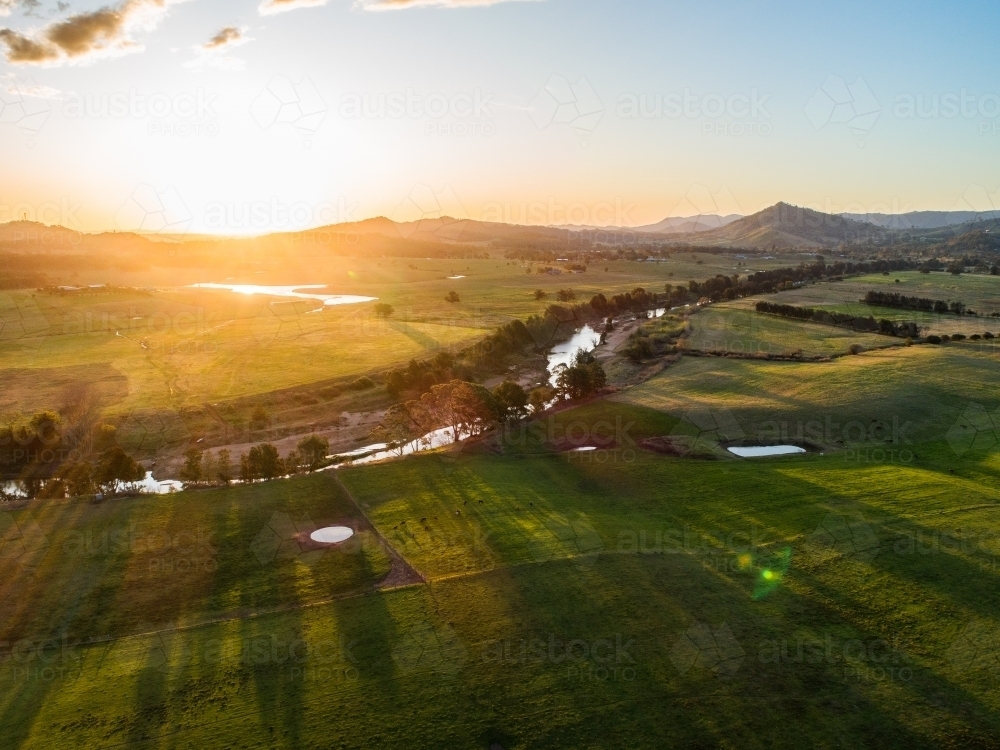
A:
(362, 384)
(933, 339)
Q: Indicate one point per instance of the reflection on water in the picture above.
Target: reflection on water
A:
(148, 485)
(755, 451)
(158, 487)
(290, 291)
(584, 340)
(435, 439)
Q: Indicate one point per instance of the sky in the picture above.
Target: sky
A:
(252, 116)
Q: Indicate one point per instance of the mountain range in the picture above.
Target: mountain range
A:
(781, 226)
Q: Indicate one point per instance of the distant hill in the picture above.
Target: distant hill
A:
(923, 219)
(782, 226)
(689, 224)
(785, 226)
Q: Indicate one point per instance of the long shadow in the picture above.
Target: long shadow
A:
(418, 337)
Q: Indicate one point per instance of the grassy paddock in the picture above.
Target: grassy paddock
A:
(89, 570)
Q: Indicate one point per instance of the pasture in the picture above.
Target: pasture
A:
(611, 598)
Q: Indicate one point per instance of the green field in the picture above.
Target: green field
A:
(171, 365)
(736, 328)
(615, 598)
(979, 292)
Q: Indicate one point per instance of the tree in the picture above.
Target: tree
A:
(463, 407)
(314, 450)
(512, 401)
(294, 462)
(79, 479)
(258, 418)
(191, 471)
(540, 294)
(382, 310)
(584, 377)
(225, 468)
(638, 348)
(246, 470)
(566, 295)
(539, 398)
(263, 462)
(208, 467)
(116, 470)
(452, 297)
(400, 425)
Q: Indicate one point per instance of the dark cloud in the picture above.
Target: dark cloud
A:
(226, 37)
(86, 32)
(97, 33)
(21, 49)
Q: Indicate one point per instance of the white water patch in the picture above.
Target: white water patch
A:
(434, 439)
(332, 534)
(360, 451)
(563, 355)
(290, 291)
(584, 449)
(12, 489)
(456, 278)
(657, 313)
(152, 486)
(756, 451)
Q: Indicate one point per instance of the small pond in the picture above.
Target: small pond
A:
(756, 451)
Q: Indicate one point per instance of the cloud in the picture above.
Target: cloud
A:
(230, 36)
(105, 32)
(212, 54)
(272, 7)
(404, 4)
(28, 88)
(25, 51)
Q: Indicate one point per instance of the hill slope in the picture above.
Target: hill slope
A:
(783, 225)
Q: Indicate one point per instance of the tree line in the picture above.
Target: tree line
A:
(844, 320)
(924, 304)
